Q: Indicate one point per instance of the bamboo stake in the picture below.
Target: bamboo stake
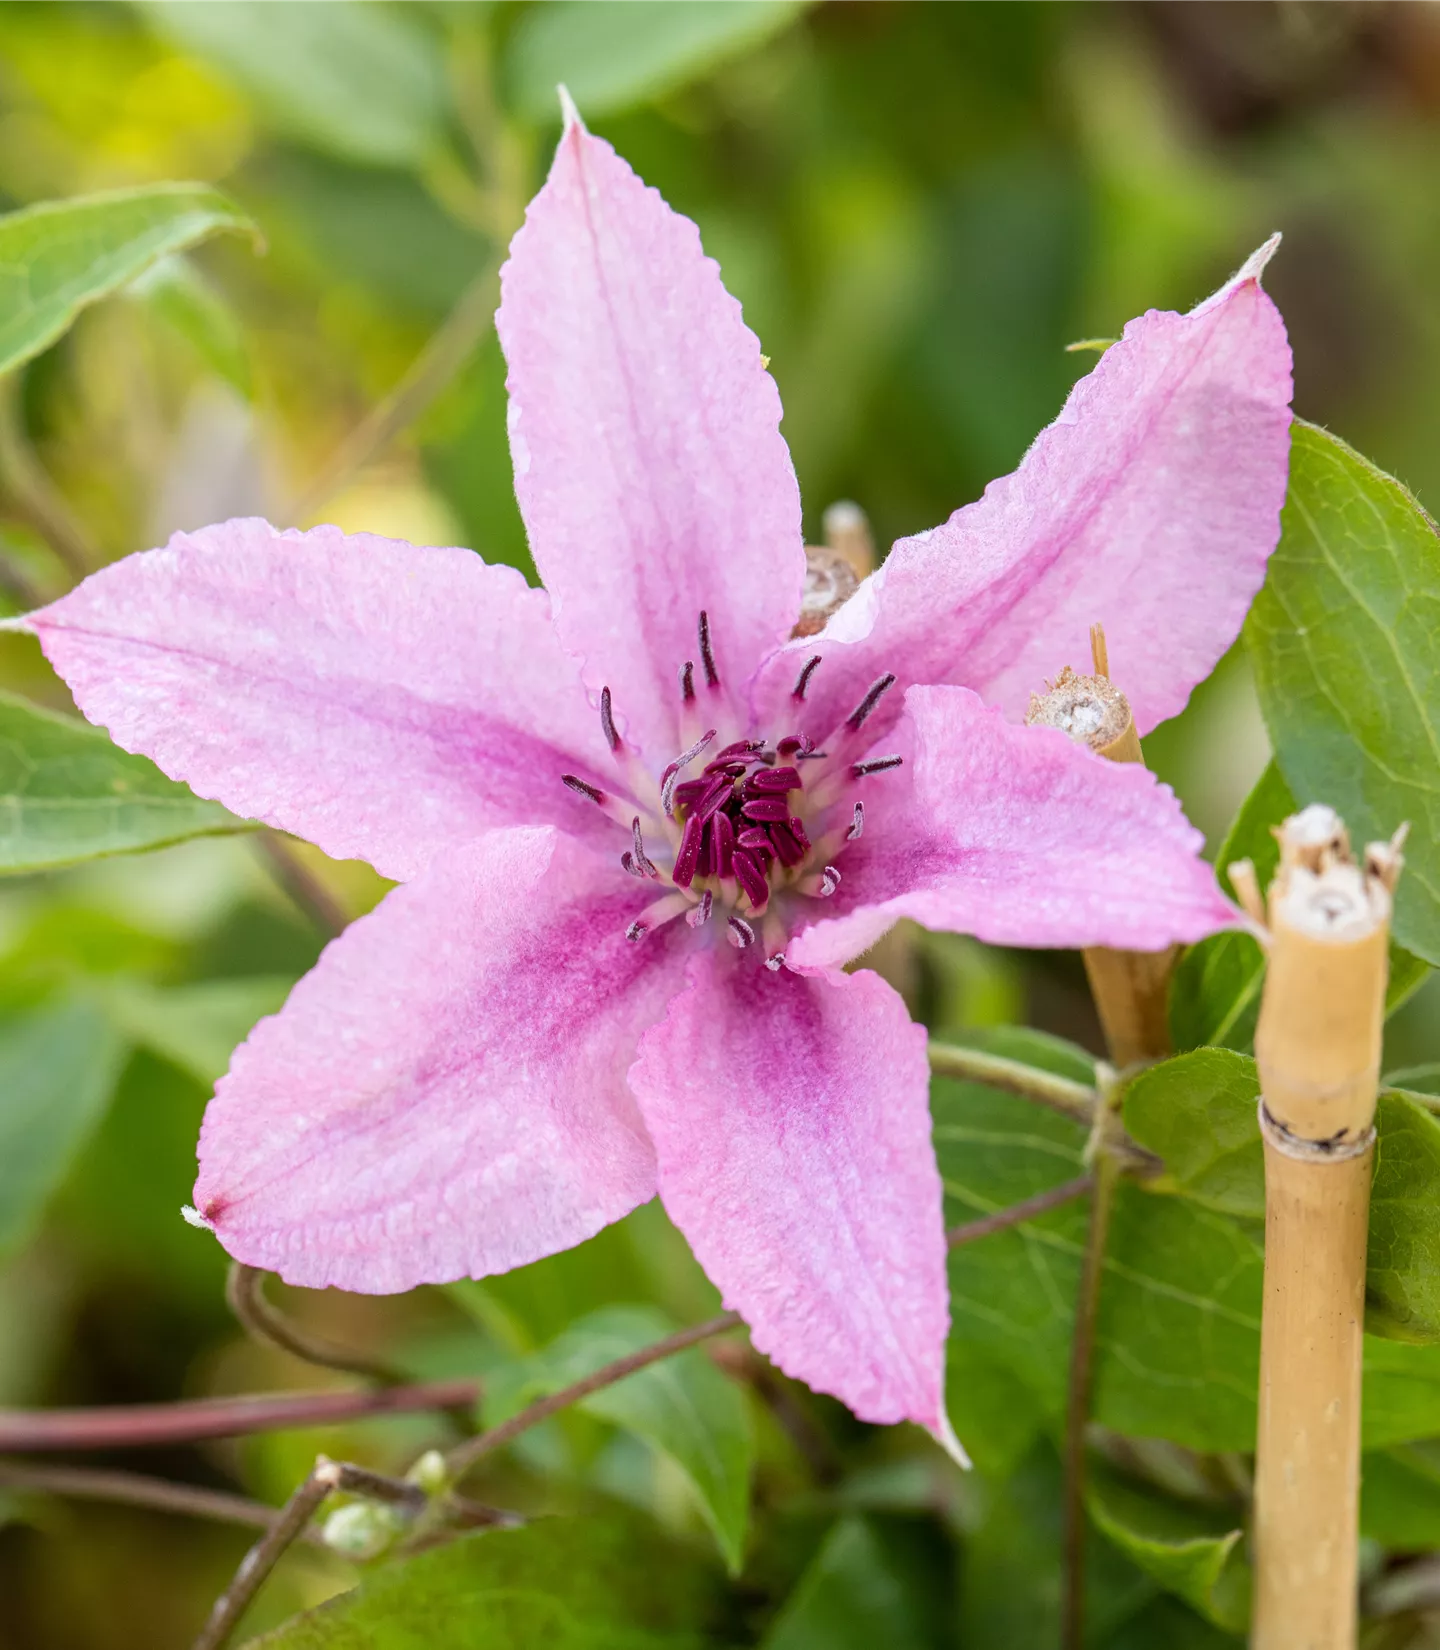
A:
(1318, 1049)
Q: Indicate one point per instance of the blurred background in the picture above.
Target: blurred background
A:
(919, 205)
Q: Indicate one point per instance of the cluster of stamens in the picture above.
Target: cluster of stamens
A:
(737, 831)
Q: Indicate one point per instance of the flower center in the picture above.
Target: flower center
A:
(756, 830)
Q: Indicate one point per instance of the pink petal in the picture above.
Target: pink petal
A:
(1018, 836)
(791, 1123)
(379, 699)
(645, 431)
(444, 1095)
(1150, 506)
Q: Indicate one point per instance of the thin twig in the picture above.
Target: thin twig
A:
(302, 885)
(245, 1291)
(35, 496)
(813, 1445)
(1077, 1416)
(291, 1523)
(136, 1489)
(464, 1456)
(1017, 1213)
(127, 1426)
(971, 1065)
(449, 348)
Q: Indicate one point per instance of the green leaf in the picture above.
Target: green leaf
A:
(1400, 1496)
(601, 1584)
(68, 794)
(196, 1027)
(60, 256)
(622, 53)
(1416, 1079)
(1345, 638)
(855, 1594)
(359, 81)
(1215, 995)
(1402, 1277)
(58, 1068)
(176, 291)
(1194, 1551)
(682, 1406)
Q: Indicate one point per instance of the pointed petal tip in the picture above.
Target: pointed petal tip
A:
(944, 1435)
(20, 622)
(192, 1217)
(1249, 273)
(569, 114)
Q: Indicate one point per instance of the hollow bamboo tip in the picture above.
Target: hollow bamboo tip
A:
(1318, 1039)
(1092, 710)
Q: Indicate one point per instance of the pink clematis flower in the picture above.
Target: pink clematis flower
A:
(639, 829)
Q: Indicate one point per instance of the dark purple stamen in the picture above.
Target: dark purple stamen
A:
(627, 863)
(775, 779)
(765, 808)
(829, 881)
(707, 655)
(802, 681)
(607, 721)
(592, 793)
(878, 689)
(698, 917)
(687, 681)
(876, 764)
(857, 825)
(688, 853)
(722, 831)
(775, 963)
(672, 771)
(705, 859)
(636, 931)
(750, 877)
(788, 849)
(643, 865)
(688, 792)
(741, 933)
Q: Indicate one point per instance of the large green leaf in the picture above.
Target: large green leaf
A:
(1345, 638)
(626, 51)
(681, 1405)
(60, 256)
(1400, 1496)
(857, 1593)
(58, 1068)
(360, 81)
(602, 1584)
(1198, 1112)
(68, 794)
(179, 295)
(1194, 1551)
(196, 1027)
(1215, 995)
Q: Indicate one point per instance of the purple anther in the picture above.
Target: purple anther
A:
(722, 831)
(757, 839)
(607, 721)
(878, 689)
(857, 825)
(750, 877)
(687, 681)
(731, 769)
(875, 764)
(699, 915)
(740, 933)
(797, 830)
(743, 750)
(829, 881)
(811, 756)
(775, 963)
(672, 770)
(688, 792)
(802, 681)
(765, 808)
(627, 864)
(775, 779)
(707, 653)
(720, 791)
(788, 848)
(795, 745)
(636, 931)
(688, 853)
(643, 865)
(591, 793)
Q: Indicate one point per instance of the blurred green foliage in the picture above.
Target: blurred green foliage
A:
(919, 207)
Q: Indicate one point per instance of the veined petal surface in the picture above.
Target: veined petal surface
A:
(444, 1095)
(383, 701)
(1018, 836)
(1150, 505)
(644, 428)
(791, 1121)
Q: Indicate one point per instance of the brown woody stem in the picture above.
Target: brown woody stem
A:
(1018, 1213)
(245, 1291)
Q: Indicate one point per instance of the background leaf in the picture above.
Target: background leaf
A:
(67, 793)
(180, 295)
(612, 56)
(682, 1405)
(196, 1027)
(58, 257)
(1345, 638)
(57, 1071)
(362, 82)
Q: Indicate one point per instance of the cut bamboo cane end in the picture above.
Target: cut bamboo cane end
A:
(1092, 710)
(1318, 1039)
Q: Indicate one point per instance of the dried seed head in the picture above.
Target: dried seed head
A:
(830, 582)
(1091, 709)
